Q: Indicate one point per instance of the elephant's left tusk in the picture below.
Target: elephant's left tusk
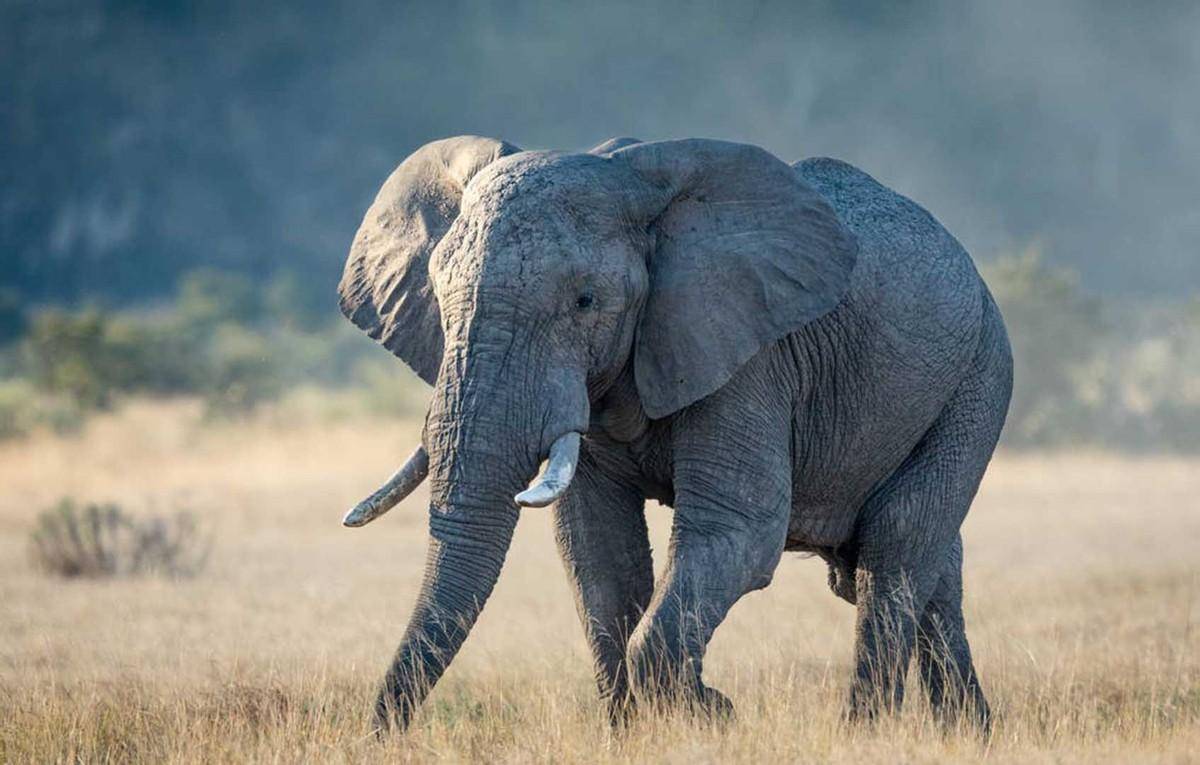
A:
(391, 493)
(564, 456)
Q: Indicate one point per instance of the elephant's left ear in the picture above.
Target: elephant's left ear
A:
(746, 252)
(386, 288)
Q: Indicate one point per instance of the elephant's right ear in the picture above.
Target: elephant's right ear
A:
(385, 289)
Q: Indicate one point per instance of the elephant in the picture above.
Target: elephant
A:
(792, 357)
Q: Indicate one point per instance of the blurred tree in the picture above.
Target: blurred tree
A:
(92, 355)
(300, 304)
(68, 354)
(1055, 329)
(208, 297)
(12, 316)
(245, 370)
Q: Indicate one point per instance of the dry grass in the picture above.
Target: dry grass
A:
(1083, 591)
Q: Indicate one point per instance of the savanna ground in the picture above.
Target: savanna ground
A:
(1083, 594)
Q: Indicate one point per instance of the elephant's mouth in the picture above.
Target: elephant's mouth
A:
(564, 457)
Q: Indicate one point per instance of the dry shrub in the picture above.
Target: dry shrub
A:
(102, 540)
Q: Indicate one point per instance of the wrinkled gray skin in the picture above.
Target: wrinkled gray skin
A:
(792, 357)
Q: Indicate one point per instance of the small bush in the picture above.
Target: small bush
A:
(1123, 375)
(245, 370)
(103, 541)
(23, 408)
(388, 389)
(206, 298)
(68, 354)
(300, 304)
(1055, 329)
(16, 404)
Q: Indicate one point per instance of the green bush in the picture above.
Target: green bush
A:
(1121, 376)
(300, 304)
(17, 399)
(23, 408)
(1109, 374)
(220, 339)
(68, 354)
(244, 370)
(389, 389)
(207, 298)
(91, 356)
(1055, 330)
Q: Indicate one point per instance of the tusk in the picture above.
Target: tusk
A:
(564, 456)
(391, 493)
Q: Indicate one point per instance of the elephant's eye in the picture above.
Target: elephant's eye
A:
(584, 301)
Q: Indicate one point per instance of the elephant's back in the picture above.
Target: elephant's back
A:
(906, 333)
(899, 239)
(913, 280)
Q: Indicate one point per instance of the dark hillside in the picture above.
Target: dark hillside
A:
(144, 139)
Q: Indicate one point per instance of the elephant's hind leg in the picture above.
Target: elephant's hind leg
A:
(910, 526)
(943, 653)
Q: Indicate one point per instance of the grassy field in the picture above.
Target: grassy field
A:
(1083, 601)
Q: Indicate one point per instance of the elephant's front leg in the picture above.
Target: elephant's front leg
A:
(733, 476)
(601, 532)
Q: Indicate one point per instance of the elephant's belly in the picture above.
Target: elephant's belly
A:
(831, 485)
(820, 522)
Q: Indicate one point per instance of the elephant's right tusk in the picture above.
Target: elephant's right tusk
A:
(564, 456)
(391, 493)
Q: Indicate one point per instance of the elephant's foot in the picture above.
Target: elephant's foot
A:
(694, 698)
(971, 713)
(621, 707)
(859, 712)
(714, 706)
(866, 708)
(666, 679)
(871, 700)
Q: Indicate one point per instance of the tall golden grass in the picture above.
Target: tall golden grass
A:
(1083, 596)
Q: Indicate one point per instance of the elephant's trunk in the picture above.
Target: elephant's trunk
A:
(461, 568)
(484, 436)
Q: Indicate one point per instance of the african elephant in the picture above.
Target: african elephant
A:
(793, 357)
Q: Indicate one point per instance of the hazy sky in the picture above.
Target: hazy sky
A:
(143, 139)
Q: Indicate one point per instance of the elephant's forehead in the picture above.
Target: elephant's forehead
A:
(519, 248)
(520, 236)
(538, 204)
(532, 221)
(543, 185)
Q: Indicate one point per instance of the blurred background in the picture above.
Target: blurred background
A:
(184, 414)
(180, 181)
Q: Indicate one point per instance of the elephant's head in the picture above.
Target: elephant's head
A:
(521, 285)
